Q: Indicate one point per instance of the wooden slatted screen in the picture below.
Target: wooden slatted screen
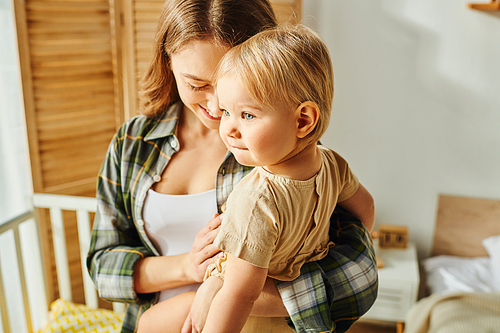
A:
(134, 24)
(70, 108)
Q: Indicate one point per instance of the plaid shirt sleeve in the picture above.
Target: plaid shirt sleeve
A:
(115, 245)
(334, 292)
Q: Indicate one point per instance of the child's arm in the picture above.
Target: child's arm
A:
(269, 303)
(201, 304)
(361, 205)
(243, 283)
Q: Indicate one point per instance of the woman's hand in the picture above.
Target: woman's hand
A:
(203, 251)
(197, 316)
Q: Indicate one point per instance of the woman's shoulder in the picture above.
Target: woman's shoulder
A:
(135, 122)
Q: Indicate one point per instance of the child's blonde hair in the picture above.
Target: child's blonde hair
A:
(289, 64)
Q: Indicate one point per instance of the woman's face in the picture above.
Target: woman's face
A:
(193, 67)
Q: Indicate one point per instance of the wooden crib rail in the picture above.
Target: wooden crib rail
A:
(14, 227)
(82, 206)
(29, 315)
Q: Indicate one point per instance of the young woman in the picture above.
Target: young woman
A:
(167, 173)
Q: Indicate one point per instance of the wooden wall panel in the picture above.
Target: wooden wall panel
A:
(67, 46)
(146, 16)
(462, 223)
(135, 36)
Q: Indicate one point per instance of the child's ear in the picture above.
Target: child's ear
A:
(307, 118)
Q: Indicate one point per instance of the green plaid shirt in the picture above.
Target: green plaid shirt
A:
(328, 296)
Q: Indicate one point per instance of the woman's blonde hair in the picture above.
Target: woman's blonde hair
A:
(227, 22)
(287, 65)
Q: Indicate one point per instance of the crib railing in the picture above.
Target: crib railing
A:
(83, 206)
(12, 271)
(34, 299)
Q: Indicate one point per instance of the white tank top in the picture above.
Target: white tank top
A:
(172, 222)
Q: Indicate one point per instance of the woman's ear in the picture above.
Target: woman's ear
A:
(307, 118)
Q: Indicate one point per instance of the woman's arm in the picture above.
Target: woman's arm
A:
(115, 246)
(361, 205)
(118, 250)
(243, 283)
(151, 274)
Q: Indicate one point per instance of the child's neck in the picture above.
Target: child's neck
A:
(301, 166)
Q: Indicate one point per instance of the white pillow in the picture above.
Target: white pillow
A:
(492, 245)
(456, 274)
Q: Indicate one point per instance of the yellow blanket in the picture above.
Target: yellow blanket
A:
(455, 313)
(68, 317)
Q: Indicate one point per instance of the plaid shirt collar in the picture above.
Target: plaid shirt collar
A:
(167, 125)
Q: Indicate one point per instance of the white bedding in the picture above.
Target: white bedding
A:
(492, 245)
(445, 274)
(465, 294)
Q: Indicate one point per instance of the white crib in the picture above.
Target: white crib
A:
(23, 297)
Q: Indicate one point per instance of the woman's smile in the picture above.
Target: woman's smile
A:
(210, 114)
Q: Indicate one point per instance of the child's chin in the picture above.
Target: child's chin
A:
(241, 160)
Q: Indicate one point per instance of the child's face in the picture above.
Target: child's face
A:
(257, 135)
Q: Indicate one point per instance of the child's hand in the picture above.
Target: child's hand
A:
(188, 325)
(197, 317)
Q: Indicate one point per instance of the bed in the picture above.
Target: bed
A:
(463, 273)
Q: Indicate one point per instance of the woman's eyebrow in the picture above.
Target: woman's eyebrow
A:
(193, 77)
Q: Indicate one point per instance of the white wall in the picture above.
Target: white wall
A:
(417, 102)
(15, 173)
(15, 185)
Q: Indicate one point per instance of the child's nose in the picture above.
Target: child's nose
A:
(231, 129)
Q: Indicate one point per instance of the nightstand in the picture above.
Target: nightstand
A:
(398, 285)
